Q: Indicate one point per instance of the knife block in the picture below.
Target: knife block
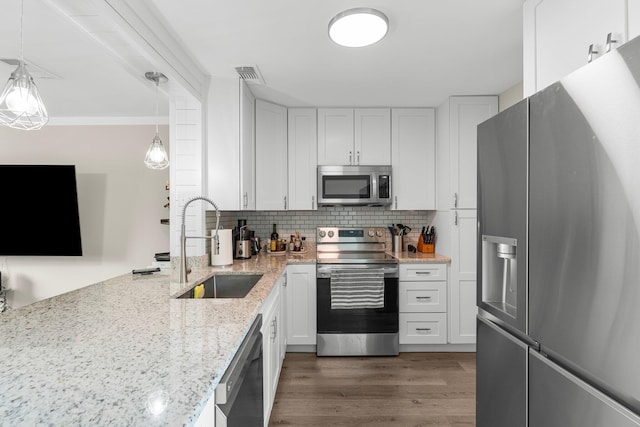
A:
(424, 247)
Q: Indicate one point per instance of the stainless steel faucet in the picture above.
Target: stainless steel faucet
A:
(183, 237)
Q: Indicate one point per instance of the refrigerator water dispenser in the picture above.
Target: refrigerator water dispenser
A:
(500, 273)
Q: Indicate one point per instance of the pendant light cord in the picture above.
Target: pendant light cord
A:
(21, 36)
(157, 83)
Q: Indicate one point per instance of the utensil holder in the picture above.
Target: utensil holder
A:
(396, 243)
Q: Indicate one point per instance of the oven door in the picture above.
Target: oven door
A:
(358, 331)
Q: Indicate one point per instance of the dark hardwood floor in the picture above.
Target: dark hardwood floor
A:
(413, 389)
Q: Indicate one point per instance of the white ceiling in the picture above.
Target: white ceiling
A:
(433, 49)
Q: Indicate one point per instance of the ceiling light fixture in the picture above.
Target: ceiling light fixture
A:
(358, 27)
(156, 157)
(20, 104)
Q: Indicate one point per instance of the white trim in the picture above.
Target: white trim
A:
(106, 121)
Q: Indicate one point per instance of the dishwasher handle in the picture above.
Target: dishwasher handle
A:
(233, 377)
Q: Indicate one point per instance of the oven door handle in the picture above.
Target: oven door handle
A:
(323, 271)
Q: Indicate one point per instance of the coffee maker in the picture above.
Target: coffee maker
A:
(242, 241)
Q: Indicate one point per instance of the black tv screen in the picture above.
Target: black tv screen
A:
(39, 211)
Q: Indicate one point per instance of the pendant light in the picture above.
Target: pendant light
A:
(156, 157)
(20, 104)
(358, 27)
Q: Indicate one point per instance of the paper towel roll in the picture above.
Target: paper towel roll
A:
(225, 257)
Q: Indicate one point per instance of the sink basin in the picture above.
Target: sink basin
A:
(227, 286)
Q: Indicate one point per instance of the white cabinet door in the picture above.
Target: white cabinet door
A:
(271, 156)
(372, 136)
(270, 350)
(301, 304)
(633, 22)
(282, 323)
(335, 136)
(558, 34)
(466, 113)
(462, 298)
(413, 158)
(303, 151)
(247, 149)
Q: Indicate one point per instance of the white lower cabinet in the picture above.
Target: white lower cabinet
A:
(462, 290)
(271, 347)
(423, 303)
(301, 304)
(423, 328)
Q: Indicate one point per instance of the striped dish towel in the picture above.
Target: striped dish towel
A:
(351, 289)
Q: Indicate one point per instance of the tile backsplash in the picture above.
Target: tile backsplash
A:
(288, 222)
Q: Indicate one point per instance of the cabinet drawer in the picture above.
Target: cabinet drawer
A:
(423, 272)
(423, 297)
(423, 328)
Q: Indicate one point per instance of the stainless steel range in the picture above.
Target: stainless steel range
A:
(357, 289)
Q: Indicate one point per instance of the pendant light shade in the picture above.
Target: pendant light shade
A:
(358, 27)
(20, 104)
(156, 157)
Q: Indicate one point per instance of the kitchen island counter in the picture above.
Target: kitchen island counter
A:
(125, 351)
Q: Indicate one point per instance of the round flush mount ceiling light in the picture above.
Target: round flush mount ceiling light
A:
(358, 27)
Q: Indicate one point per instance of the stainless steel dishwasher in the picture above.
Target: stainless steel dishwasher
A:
(239, 400)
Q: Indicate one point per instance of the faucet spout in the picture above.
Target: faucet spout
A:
(183, 237)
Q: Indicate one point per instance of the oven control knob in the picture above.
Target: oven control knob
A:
(379, 233)
(322, 233)
(371, 233)
(330, 233)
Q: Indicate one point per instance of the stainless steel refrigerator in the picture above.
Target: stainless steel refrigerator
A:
(559, 252)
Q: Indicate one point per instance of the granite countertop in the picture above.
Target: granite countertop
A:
(116, 351)
(119, 350)
(419, 257)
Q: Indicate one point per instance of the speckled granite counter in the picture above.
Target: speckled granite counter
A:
(409, 257)
(102, 354)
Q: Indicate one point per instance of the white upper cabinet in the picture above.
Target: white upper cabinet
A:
(372, 136)
(335, 136)
(354, 137)
(465, 114)
(247, 149)
(560, 36)
(413, 158)
(302, 143)
(271, 156)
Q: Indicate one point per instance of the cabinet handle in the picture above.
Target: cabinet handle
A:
(610, 41)
(423, 273)
(285, 203)
(395, 198)
(284, 282)
(313, 202)
(455, 218)
(358, 157)
(246, 200)
(423, 330)
(350, 156)
(592, 53)
(455, 200)
(274, 329)
(427, 298)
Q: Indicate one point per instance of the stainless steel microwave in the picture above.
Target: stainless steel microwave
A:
(354, 185)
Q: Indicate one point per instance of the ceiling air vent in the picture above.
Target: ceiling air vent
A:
(36, 71)
(251, 74)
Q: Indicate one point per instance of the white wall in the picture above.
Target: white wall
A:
(510, 96)
(120, 202)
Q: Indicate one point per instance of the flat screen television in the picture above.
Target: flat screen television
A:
(39, 211)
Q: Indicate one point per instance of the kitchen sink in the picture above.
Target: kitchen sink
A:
(226, 286)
